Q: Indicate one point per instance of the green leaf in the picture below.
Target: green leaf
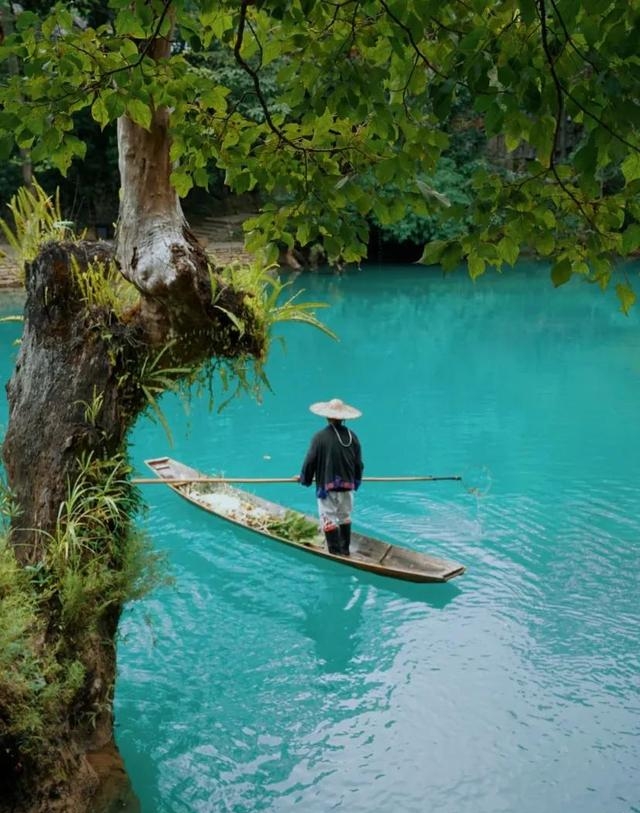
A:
(181, 182)
(561, 272)
(386, 170)
(631, 167)
(512, 141)
(470, 42)
(451, 256)
(597, 6)
(201, 177)
(333, 247)
(139, 112)
(24, 138)
(99, 112)
(215, 98)
(243, 182)
(476, 266)
(545, 244)
(26, 20)
(626, 296)
(528, 11)
(631, 238)
(127, 24)
(303, 232)
(115, 105)
(432, 252)
(235, 320)
(271, 253)
(6, 146)
(508, 250)
(541, 137)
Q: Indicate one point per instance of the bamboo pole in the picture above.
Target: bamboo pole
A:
(186, 480)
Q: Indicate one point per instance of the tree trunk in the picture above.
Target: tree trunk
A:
(66, 358)
(156, 250)
(62, 364)
(77, 389)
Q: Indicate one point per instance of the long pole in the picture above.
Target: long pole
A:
(186, 480)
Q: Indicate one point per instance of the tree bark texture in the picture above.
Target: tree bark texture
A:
(155, 249)
(63, 362)
(70, 353)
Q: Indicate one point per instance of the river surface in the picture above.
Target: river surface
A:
(264, 679)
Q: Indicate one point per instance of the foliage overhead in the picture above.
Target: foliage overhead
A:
(362, 91)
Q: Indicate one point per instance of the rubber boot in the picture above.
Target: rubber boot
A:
(345, 538)
(333, 540)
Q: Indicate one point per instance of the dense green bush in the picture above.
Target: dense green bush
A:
(448, 192)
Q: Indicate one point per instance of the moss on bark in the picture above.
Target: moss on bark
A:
(72, 555)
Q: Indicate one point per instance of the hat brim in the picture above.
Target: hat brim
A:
(342, 413)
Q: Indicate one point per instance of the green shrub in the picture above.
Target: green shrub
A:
(54, 615)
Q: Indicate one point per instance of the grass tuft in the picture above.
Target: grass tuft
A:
(53, 614)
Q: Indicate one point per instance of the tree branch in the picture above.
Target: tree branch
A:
(559, 113)
(255, 78)
(237, 53)
(568, 37)
(412, 41)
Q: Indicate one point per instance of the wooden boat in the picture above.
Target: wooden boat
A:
(256, 514)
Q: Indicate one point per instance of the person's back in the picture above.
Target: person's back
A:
(334, 462)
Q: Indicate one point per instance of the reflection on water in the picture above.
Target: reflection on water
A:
(335, 636)
(333, 618)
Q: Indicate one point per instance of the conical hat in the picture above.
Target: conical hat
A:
(335, 408)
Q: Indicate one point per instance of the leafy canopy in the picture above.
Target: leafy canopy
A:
(363, 88)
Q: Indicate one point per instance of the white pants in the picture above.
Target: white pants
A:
(335, 509)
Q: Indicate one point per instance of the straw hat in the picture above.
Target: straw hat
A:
(335, 408)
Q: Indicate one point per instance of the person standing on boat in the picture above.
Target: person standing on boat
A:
(334, 461)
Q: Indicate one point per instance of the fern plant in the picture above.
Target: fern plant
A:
(268, 290)
(37, 218)
(102, 285)
(156, 379)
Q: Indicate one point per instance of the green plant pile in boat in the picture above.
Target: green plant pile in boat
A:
(289, 525)
(292, 525)
(204, 488)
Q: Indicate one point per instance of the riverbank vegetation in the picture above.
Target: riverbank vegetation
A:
(481, 129)
(55, 615)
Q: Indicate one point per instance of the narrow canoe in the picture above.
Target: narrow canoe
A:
(252, 512)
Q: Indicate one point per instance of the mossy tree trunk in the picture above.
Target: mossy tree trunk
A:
(78, 387)
(80, 381)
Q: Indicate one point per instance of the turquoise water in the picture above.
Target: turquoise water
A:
(266, 680)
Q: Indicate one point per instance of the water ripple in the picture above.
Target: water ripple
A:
(268, 680)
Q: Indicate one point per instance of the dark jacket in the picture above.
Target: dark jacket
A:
(335, 464)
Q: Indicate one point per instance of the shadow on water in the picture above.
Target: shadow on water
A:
(435, 594)
(336, 623)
